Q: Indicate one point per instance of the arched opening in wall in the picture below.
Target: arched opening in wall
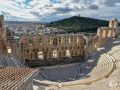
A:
(30, 41)
(84, 41)
(49, 40)
(64, 53)
(9, 50)
(68, 40)
(77, 39)
(113, 33)
(31, 55)
(49, 54)
(105, 33)
(55, 54)
(68, 53)
(35, 55)
(72, 53)
(60, 40)
(71, 39)
(45, 55)
(40, 55)
(75, 53)
(110, 33)
(55, 42)
(40, 41)
(60, 54)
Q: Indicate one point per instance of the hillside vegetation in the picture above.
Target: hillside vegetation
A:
(78, 24)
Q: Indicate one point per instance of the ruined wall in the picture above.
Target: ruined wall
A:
(3, 47)
(52, 46)
(104, 33)
(46, 47)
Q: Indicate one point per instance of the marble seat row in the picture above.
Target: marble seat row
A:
(61, 74)
(12, 77)
(114, 49)
(5, 60)
(79, 74)
(97, 73)
(116, 55)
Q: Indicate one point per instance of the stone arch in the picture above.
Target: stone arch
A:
(54, 41)
(68, 53)
(9, 50)
(40, 55)
(113, 33)
(55, 54)
(30, 56)
(59, 54)
(104, 33)
(109, 33)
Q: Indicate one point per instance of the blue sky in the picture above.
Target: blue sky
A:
(52, 10)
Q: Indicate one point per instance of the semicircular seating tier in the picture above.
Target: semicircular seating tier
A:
(6, 60)
(88, 72)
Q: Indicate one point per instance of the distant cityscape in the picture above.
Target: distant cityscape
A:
(30, 29)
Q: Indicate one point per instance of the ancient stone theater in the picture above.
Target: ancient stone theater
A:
(63, 48)
(100, 53)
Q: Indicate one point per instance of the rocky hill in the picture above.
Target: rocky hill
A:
(78, 24)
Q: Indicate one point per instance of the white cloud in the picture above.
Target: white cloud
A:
(45, 9)
(20, 1)
(15, 10)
